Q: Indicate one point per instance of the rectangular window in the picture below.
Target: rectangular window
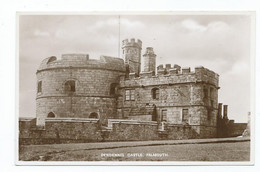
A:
(205, 93)
(132, 95)
(185, 115)
(157, 94)
(39, 88)
(164, 115)
(129, 94)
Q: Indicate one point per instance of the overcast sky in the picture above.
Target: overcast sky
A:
(218, 42)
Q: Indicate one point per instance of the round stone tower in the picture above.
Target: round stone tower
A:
(149, 59)
(132, 54)
(78, 87)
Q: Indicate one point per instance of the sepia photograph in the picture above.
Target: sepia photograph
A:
(135, 88)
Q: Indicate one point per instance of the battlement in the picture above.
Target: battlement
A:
(175, 74)
(176, 69)
(82, 61)
(132, 42)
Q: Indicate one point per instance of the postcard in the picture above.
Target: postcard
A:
(135, 88)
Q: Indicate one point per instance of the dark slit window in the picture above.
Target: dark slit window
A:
(155, 93)
(39, 88)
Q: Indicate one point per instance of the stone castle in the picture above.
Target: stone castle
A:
(112, 92)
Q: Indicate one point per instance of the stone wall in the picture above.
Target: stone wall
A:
(133, 131)
(236, 129)
(207, 132)
(141, 117)
(71, 130)
(65, 130)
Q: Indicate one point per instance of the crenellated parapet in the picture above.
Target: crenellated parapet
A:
(175, 74)
(132, 42)
(82, 61)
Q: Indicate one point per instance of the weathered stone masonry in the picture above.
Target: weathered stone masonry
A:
(194, 92)
(85, 100)
(80, 130)
(92, 81)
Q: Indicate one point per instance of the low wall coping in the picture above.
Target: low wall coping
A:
(138, 123)
(26, 119)
(71, 120)
(134, 122)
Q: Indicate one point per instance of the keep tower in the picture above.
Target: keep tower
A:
(132, 54)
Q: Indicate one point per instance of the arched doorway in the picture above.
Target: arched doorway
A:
(51, 115)
(93, 115)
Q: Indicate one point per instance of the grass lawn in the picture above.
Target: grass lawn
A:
(235, 151)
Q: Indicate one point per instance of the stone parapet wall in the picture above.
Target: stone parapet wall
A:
(82, 61)
(141, 117)
(71, 130)
(236, 129)
(133, 131)
(164, 76)
(62, 131)
(179, 132)
(207, 131)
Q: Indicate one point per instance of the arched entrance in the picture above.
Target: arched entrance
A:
(93, 115)
(51, 115)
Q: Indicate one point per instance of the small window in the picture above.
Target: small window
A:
(209, 113)
(39, 88)
(129, 94)
(132, 95)
(93, 115)
(205, 91)
(185, 115)
(211, 92)
(155, 93)
(113, 89)
(164, 115)
(70, 86)
(51, 115)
